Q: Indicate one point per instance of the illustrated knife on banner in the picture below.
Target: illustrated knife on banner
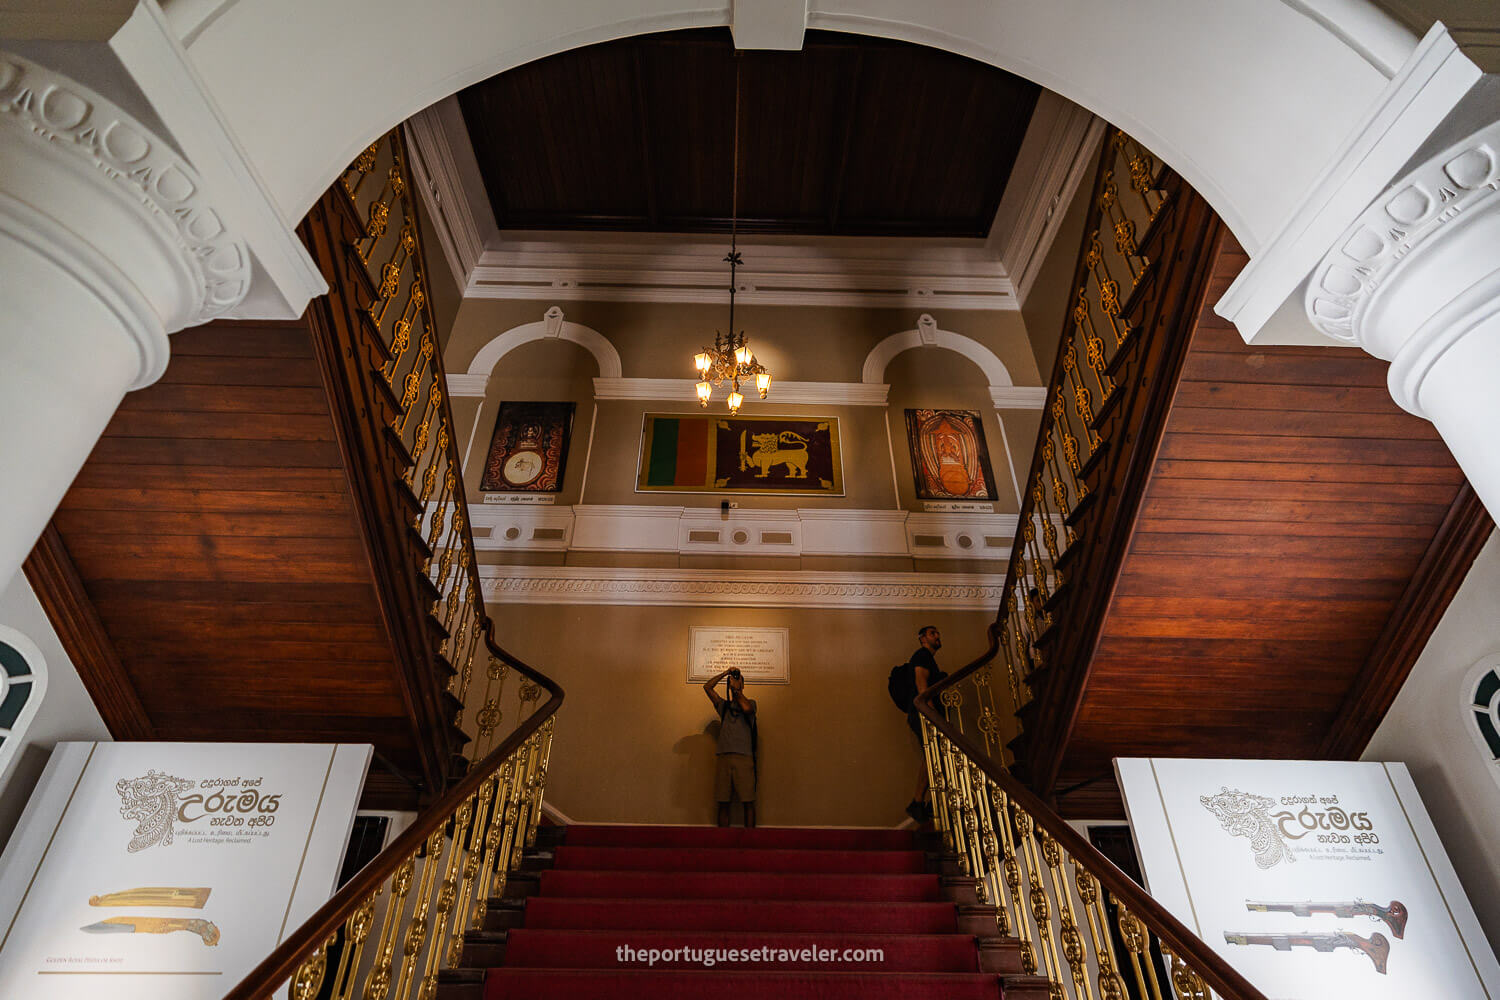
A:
(168, 895)
(205, 929)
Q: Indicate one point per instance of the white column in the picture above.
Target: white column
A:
(1416, 281)
(107, 244)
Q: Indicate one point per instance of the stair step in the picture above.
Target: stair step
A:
(741, 885)
(761, 859)
(785, 838)
(544, 913)
(528, 948)
(715, 984)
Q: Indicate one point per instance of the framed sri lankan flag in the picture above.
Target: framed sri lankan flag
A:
(777, 456)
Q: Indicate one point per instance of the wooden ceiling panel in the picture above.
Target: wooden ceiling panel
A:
(1293, 548)
(851, 135)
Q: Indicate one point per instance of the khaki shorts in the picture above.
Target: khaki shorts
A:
(736, 771)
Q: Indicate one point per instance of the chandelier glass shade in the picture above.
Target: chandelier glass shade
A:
(730, 360)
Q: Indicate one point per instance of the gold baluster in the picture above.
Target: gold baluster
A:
(1137, 945)
(1011, 866)
(429, 478)
(363, 164)
(378, 982)
(416, 930)
(1186, 984)
(309, 978)
(1068, 935)
(1111, 986)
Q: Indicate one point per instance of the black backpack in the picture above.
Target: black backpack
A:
(902, 685)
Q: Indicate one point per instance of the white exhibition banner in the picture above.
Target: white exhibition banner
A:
(1316, 880)
(167, 871)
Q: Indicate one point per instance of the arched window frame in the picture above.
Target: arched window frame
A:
(23, 685)
(1480, 696)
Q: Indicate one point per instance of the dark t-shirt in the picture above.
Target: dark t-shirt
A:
(923, 658)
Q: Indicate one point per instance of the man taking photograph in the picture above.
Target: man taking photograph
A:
(736, 751)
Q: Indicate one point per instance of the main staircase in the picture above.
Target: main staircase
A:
(589, 892)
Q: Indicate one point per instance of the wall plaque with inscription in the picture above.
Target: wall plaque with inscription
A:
(760, 653)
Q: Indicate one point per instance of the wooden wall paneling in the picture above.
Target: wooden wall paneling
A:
(50, 571)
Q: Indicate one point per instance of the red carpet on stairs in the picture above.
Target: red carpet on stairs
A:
(654, 912)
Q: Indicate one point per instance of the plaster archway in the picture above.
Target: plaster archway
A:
(927, 334)
(551, 325)
(1275, 86)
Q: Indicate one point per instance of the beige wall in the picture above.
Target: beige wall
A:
(633, 742)
(1426, 729)
(657, 341)
(1051, 293)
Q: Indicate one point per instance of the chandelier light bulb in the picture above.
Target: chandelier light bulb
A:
(704, 391)
(702, 360)
(763, 383)
(742, 354)
(735, 399)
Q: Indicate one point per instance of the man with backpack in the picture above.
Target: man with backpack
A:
(907, 681)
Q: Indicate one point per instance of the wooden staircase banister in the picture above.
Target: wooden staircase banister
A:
(289, 958)
(1176, 938)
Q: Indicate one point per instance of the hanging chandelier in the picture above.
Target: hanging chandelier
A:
(730, 359)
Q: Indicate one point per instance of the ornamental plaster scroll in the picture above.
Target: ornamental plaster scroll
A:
(927, 334)
(1422, 206)
(71, 128)
(552, 325)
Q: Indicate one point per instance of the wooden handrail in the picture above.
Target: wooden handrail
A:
(282, 963)
(1216, 972)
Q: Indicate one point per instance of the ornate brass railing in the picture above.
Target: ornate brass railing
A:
(1129, 196)
(1082, 923)
(402, 919)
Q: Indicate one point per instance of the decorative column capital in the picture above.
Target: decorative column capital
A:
(91, 188)
(1418, 269)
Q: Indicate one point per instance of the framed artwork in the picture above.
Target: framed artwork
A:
(780, 456)
(949, 457)
(529, 449)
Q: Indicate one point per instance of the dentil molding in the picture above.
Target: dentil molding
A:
(86, 184)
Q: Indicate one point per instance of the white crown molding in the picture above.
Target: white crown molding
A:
(1056, 156)
(798, 393)
(780, 271)
(1018, 397)
(440, 143)
(1422, 107)
(640, 528)
(160, 66)
(748, 589)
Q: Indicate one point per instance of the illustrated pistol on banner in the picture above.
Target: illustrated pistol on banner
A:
(1375, 946)
(154, 896)
(156, 925)
(1393, 915)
